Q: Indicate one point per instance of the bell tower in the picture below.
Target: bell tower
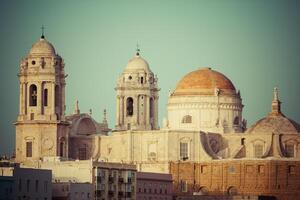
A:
(41, 124)
(137, 97)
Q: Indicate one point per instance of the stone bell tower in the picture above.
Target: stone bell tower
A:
(137, 97)
(41, 129)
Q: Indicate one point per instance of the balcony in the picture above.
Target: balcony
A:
(111, 179)
(121, 194)
(110, 193)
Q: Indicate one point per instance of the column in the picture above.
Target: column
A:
(21, 99)
(53, 98)
(118, 111)
(39, 98)
(147, 104)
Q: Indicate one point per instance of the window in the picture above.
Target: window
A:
(204, 169)
(46, 186)
(32, 95)
(236, 121)
(129, 106)
(186, 119)
(20, 185)
(258, 150)
(243, 141)
(82, 153)
(142, 80)
(33, 62)
(183, 185)
(45, 100)
(292, 169)
(28, 185)
(261, 169)
(28, 149)
(36, 185)
(289, 150)
(184, 151)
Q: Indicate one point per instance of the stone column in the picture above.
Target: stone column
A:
(52, 98)
(155, 121)
(39, 98)
(118, 111)
(21, 104)
(63, 85)
(147, 104)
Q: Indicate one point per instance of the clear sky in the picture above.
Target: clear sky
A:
(255, 43)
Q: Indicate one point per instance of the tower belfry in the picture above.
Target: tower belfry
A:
(41, 121)
(137, 96)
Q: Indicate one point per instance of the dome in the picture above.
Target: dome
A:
(137, 63)
(276, 124)
(42, 47)
(204, 81)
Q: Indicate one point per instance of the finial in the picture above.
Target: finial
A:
(276, 103)
(275, 94)
(137, 49)
(43, 32)
(76, 111)
(91, 111)
(104, 116)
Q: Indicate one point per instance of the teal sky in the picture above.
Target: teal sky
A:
(254, 43)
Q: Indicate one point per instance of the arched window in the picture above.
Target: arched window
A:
(289, 150)
(258, 150)
(62, 147)
(151, 108)
(129, 106)
(45, 100)
(33, 95)
(186, 119)
(243, 141)
(142, 80)
(236, 121)
(184, 151)
(57, 95)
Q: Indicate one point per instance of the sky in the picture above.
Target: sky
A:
(256, 44)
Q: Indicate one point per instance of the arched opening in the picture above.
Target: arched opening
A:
(62, 147)
(151, 108)
(203, 190)
(142, 80)
(129, 106)
(232, 191)
(45, 99)
(186, 119)
(33, 95)
(243, 141)
(236, 121)
(57, 95)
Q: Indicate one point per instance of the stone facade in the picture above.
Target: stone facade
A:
(266, 177)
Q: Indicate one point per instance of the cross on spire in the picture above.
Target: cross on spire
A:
(43, 31)
(137, 49)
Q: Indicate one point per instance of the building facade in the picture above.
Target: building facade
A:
(69, 190)
(154, 186)
(25, 183)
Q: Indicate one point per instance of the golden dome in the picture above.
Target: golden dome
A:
(204, 81)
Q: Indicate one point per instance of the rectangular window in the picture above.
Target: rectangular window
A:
(20, 185)
(203, 169)
(289, 150)
(292, 169)
(261, 169)
(184, 151)
(183, 186)
(36, 185)
(28, 149)
(46, 186)
(45, 97)
(28, 185)
(258, 150)
(82, 153)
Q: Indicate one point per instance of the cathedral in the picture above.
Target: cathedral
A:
(203, 142)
